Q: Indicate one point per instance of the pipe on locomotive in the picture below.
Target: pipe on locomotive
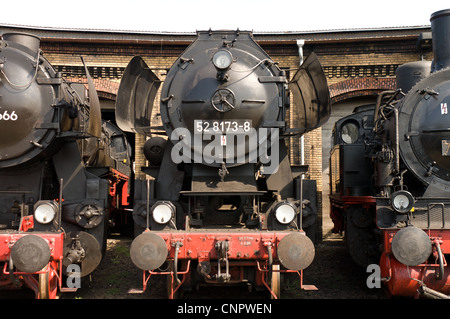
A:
(300, 44)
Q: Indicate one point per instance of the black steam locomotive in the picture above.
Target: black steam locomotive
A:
(221, 196)
(63, 171)
(390, 175)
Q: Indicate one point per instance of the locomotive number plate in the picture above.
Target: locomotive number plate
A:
(227, 126)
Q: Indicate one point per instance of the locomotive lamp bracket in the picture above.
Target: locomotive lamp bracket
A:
(222, 76)
(184, 62)
(430, 169)
(427, 92)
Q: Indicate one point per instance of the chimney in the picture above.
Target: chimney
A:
(28, 40)
(440, 28)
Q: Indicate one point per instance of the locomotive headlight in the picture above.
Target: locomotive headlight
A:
(162, 212)
(402, 201)
(45, 211)
(222, 59)
(285, 212)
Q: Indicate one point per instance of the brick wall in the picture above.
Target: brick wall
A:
(364, 86)
(352, 69)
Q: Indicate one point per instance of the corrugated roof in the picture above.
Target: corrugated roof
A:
(102, 35)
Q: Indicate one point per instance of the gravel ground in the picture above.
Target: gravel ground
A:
(332, 272)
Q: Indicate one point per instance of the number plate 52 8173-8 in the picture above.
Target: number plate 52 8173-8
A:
(222, 126)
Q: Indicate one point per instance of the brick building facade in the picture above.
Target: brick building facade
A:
(358, 65)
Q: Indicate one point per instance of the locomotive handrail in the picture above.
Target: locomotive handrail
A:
(254, 67)
(177, 245)
(440, 273)
(22, 86)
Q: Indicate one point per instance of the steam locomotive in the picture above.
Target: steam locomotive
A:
(390, 176)
(64, 172)
(220, 195)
